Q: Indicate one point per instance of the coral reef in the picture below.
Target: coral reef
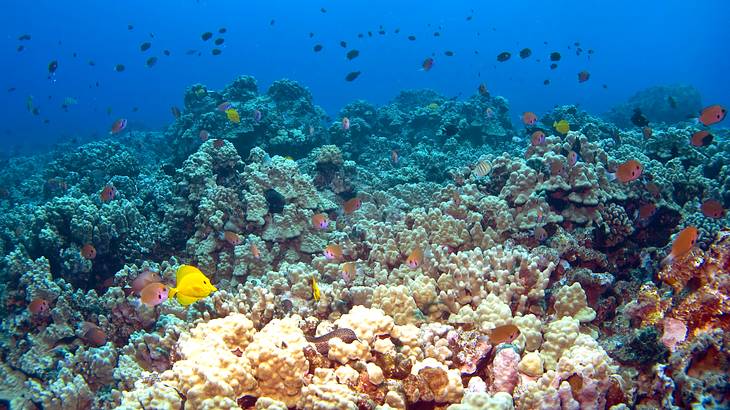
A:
(369, 266)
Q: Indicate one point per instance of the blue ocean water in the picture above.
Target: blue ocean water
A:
(636, 45)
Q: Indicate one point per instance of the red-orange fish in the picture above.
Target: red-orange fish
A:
(629, 171)
(232, 238)
(537, 138)
(352, 205)
(529, 118)
(118, 126)
(218, 143)
(92, 334)
(88, 251)
(39, 306)
(572, 158)
(712, 208)
(345, 123)
(255, 251)
(540, 233)
(427, 64)
(108, 193)
(701, 138)
(144, 279)
(333, 252)
(647, 210)
(648, 132)
(583, 76)
(713, 114)
(154, 294)
(348, 270)
(503, 334)
(320, 221)
(415, 259)
(683, 243)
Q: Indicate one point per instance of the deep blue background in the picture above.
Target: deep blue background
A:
(637, 44)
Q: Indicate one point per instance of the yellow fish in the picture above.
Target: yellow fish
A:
(192, 285)
(233, 116)
(562, 126)
(433, 106)
(315, 289)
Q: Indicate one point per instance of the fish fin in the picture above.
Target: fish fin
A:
(611, 176)
(185, 300)
(172, 292)
(667, 260)
(184, 270)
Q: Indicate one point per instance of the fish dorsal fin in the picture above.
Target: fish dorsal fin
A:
(183, 271)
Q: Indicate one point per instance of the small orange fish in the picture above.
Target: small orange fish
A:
(88, 251)
(320, 221)
(118, 126)
(683, 243)
(218, 143)
(529, 118)
(144, 279)
(39, 306)
(537, 138)
(415, 259)
(583, 76)
(712, 208)
(572, 158)
(557, 168)
(647, 210)
(394, 157)
(503, 334)
(629, 171)
(648, 132)
(345, 123)
(713, 114)
(154, 294)
(352, 205)
(108, 193)
(333, 252)
(348, 271)
(427, 64)
(232, 238)
(701, 138)
(255, 251)
(92, 334)
(204, 135)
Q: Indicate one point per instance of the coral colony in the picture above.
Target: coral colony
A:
(425, 254)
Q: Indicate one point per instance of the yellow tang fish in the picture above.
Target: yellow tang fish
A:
(315, 289)
(192, 285)
(561, 126)
(233, 116)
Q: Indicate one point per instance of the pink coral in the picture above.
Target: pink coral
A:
(504, 371)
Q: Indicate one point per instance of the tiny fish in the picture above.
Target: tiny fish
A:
(639, 119)
(540, 233)
(225, 106)
(712, 208)
(629, 171)
(449, 53)
(525, 52)
(683, 243)
(333, 252)
(647, 132)
(88, 251)
(503, 56)
(203, 135)
(315, 290)
(583, 76)
(145, 46)
(233, 116)
(118, 126)
(529, 118)
(427, 64)
(92, 334)
(216, 51)
(482, 168)
(257, 116)
(219, 41)
(561, 126)
(348, 271)
(151, 62)
(415, 258)
(483, 90)
(231, 237)
(712, 115)
(154, 294)
(320, 221)
(352, 54)
(537, 138)
(394, 158)
(175, 112)
(345, 123)
(352, 75)
(701, 138)
(39, 306)
(412, 38)
(144, 279)
(352, 205)
(255, 251)
(119, 68)
(108, 193)
(572, 158)
(503, 334)
(317, 48)
(206, 36)
(554, 56)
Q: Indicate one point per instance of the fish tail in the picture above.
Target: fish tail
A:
(611, 176)
(667, 260)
